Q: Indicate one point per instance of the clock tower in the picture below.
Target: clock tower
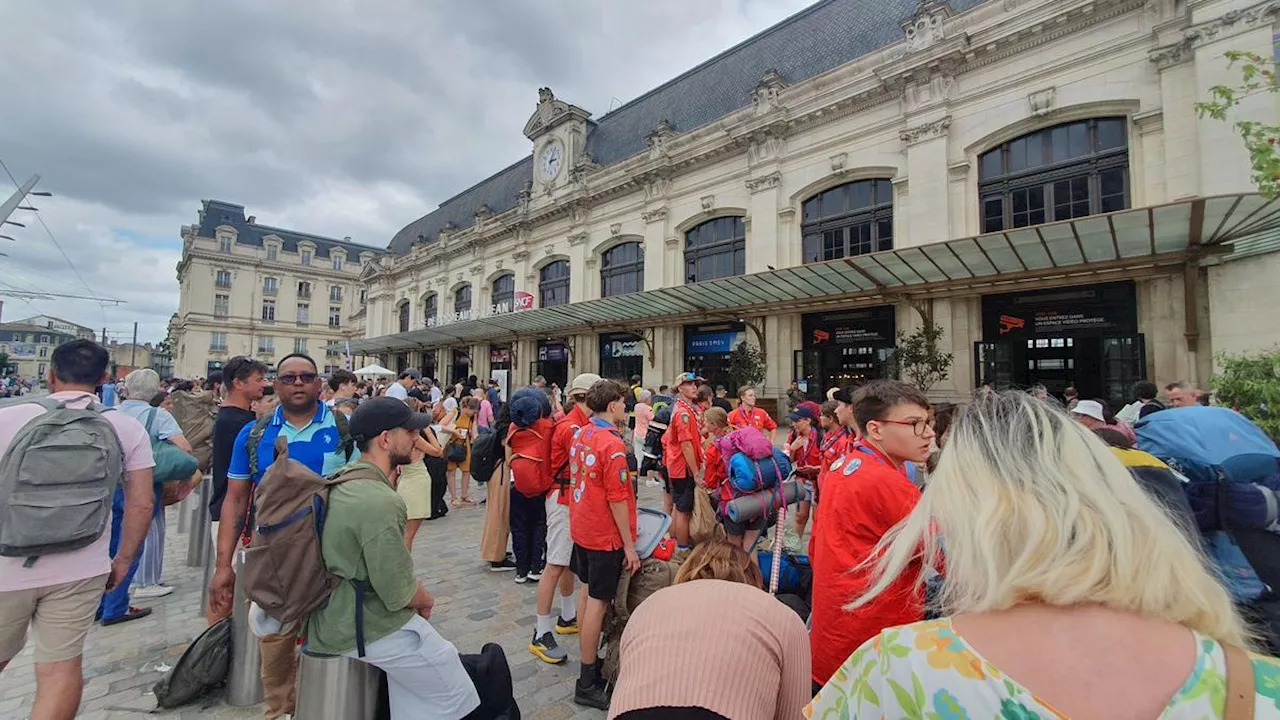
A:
(559, 134)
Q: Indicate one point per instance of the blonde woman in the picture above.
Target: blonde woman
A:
(414, 486)
(458, 452)
(713, 645)
(1070, 591)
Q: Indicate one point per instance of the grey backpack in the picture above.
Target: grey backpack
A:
(56, 480)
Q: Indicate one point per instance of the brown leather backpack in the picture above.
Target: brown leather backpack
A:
(284, 571)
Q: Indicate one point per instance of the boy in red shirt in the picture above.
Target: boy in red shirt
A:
(865, 492)
(602, 520)
(682, 453)
(806, 458)
(748, 415)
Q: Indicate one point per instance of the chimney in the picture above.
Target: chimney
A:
(252, 218)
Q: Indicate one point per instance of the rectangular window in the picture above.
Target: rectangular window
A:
(300, 345)
(304, 314)
(1028, 206)
(268, 311)
(304, 291)
(364, 296)
(306, 257)
(218, 341)
(335, 317)
(1114, 188)
(222, 279)
(270, 286)
(266, 345)
(1071, 198)
(44, 338)
(273, 252)
(44, 352)
(224, 243)
(337, 262)
(221, 305)
(335, 293)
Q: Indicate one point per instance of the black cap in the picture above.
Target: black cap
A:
(378, 415)
(844, 395)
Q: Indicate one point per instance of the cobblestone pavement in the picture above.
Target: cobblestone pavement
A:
(473, 606)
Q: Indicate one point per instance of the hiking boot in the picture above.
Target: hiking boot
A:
(545, 649)
(595, 695)
(503, 566)
(566, 627)
(521, 578)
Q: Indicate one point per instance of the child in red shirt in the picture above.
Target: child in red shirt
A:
(806, 457)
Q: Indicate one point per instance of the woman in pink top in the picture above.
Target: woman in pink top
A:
(713, 645)
(484, 418)
(644, 415)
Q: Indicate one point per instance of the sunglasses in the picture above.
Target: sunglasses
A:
(293, 378)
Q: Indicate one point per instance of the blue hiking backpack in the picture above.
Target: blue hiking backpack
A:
(751, 476)
(1233, 473)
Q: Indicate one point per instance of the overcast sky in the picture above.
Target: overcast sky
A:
(328, 116)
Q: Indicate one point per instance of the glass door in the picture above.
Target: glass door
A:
(806, 371)
(992, 365)
(1124, 363)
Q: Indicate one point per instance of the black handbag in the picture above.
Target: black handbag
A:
(455, 452)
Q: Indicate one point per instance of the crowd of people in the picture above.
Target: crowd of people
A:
(1020, 556)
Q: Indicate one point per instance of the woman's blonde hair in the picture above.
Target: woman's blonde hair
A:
(716, 416)
(1032, 507)
(720, 560)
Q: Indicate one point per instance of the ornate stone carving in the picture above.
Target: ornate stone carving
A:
(766, 146)
(959, 172)
(578, 239)
(615, 229)
(928, 24)
(1181, 51)
(1170, 55)
(927, 131)
(772, 180)
(550, 113)
(765, 97)
(591, 262)
(459, 277)
(477, 269)
(656, 187)
(838, 162)
(1042, 101)
(659, 138)
(497, 264)
(578, 214)
(672, 241)
(549, 250)
(655, 215)
(708, 203)
(938, 88)
(520, 255)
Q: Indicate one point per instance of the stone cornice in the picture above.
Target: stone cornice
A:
(1229, 23)
(304, 272)
(928, 131)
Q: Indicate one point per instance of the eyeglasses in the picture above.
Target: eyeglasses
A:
(917, 426)
(293, 378)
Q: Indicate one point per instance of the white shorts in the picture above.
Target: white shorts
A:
(425, 676)
(559, 542)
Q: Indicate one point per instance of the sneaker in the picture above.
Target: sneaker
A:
(546, 649)
(503, 566)
(535, 574)
(521, 578)
(595, 695)
(566, 627)
(152, 591)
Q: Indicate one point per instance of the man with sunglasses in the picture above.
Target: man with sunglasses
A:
(865, 492)
(318, 438)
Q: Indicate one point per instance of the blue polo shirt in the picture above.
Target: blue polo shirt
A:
(315, 446)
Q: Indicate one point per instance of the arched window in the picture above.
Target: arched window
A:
(622, 269)
(504, 292)
(430, 309)
(851, 219)
(1069, 171)
(715, 249)
(462, 300)
(404, 316)
(553, 284)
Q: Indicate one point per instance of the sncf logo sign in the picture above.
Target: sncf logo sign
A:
(1009, 323)
(523, 301)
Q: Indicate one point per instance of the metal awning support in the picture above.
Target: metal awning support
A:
(1197, 231)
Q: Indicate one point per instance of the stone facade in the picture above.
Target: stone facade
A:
(919, 113)
(246, 290)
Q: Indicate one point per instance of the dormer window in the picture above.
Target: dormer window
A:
(306, 257)
(337, 262)
(224, 243)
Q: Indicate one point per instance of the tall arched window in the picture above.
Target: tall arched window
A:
(462, 300)
(504, 291)
(404, 315)
(553, 284)
(1069, 171)
(622, 269)
(851, 219)
(430, 309)
(715, 249)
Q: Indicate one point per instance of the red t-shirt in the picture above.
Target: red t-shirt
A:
(561, 441)
(862, 504)
(756, 418)
(834, 444)
(684, 426)
(808, 454)
(599, 476)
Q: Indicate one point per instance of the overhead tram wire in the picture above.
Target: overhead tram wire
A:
(56, 244)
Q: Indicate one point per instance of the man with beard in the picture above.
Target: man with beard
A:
(363, 546)
(318, 439)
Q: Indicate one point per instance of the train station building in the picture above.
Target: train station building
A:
(1032, 175)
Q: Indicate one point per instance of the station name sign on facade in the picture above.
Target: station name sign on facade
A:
(522, 301)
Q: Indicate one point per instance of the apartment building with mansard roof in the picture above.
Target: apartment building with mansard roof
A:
(1031, 174)
(253, 289)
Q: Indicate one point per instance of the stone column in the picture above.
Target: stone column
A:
(764, 240)
(655, 249)
(578, 254)
(929, 218)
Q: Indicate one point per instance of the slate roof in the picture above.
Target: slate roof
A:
(216, 212)
(809, 43)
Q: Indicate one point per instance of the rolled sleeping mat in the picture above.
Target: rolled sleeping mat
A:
(753, 506)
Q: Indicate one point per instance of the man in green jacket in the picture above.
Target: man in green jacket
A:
(378, 612)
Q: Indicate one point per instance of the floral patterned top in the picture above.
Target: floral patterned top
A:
(927, 671)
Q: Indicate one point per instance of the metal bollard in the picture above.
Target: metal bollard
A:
(184, 514)
(244, 679)
(337, 688)
(198, 542)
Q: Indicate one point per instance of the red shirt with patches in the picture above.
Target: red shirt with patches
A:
(756, 418)
(561, 441)
(862, 504)
(716, 477)
(809, 454)
(684, 426)
(599, 476)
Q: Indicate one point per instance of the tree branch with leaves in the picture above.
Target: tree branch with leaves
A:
(1258, 76)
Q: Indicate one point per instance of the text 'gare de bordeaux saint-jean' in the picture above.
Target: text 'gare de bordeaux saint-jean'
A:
(1032, 175)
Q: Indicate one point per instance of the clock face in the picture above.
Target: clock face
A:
(549, 160)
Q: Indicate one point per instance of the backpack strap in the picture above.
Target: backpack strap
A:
(255, 437)
(151, 417)
(1240, 684)
(345, 442)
